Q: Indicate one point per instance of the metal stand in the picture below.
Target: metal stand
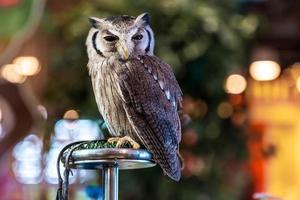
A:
(110, 161)
(111, 183)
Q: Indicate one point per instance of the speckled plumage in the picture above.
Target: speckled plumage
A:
(137, 95)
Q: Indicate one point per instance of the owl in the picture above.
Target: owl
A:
(136, 92)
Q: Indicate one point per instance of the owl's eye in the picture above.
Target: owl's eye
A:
(137, 37)
(110, 38)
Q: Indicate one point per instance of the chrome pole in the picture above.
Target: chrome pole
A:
(111, 182)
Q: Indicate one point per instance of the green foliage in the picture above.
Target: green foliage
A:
(203, 41)
(100, 144)
(14, 18)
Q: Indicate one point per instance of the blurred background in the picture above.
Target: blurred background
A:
(237, 61)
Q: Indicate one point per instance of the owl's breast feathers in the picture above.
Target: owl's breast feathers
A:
(151, 96)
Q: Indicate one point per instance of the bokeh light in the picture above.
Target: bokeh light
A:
(27, 65)
(235, 84)
(196, 108)
(265, 70)
(50, 171)
(82, 129)
(190, 137)
(239, 118)
(27, 166)
(66, 131)
(71, 115)
(225, 110)
(194, 165)
(298, 84)
(9, 72)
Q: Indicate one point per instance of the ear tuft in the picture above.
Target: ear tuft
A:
(95, 22)
(143, 18)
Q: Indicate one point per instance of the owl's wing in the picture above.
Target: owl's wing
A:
(151, 96)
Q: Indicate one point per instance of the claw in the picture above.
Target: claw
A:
(113, 140)
(121, 141)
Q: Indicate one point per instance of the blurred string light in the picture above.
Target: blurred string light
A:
(235, 84)
(264, 70)
(27, 65)
(21, 68)
(66, 131)
(9, 72)
(82, 129)
(27, 166)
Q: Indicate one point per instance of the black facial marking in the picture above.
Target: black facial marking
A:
(149, 41)
(94, 44)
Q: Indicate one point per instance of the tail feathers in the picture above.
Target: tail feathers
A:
(172, 168)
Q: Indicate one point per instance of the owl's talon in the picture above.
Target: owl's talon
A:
(113, 140)
(124, 140)
(129, 140)
(135, 145)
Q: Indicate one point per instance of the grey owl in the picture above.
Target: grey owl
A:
(136, 92)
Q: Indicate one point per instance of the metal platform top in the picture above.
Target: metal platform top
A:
(124, 158)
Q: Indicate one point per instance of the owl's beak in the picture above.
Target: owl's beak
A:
(123, 50)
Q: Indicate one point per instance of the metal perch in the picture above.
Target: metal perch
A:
(109, 161)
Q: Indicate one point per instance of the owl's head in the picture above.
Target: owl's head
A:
(120, 36)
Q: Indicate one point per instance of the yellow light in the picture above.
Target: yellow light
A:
(235, 84)
(298, 84)
(9, 73)
(27, 65)
(294, 71)
(71, 115)
(265, 70)
(225, 110)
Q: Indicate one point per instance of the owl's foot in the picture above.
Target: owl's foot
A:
(124, 140)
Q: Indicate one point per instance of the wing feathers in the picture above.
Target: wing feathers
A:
(149, 88)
